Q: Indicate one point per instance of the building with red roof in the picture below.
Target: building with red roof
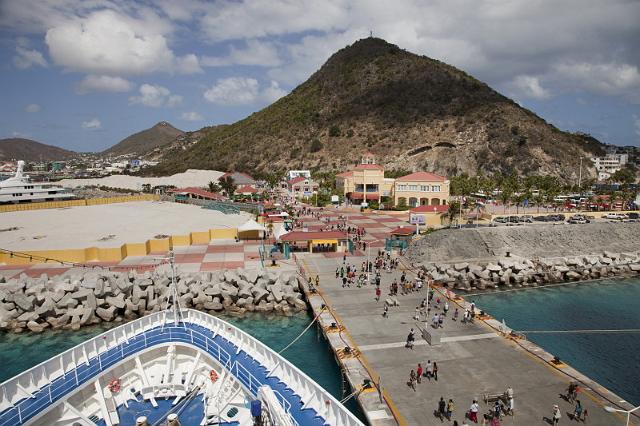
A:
(194, 193)
(334, 241)
(240, 179)
(302, 187)
(246, 190)
(366, 182)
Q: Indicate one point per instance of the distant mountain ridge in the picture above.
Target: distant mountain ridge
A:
(146, 141)
(14, 149)
(411, 111)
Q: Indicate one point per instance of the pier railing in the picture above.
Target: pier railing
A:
(34, 391)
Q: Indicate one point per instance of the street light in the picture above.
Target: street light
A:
(610, 409)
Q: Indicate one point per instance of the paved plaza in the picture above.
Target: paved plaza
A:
(473, 359)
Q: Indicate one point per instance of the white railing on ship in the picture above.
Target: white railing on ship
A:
(30, 381)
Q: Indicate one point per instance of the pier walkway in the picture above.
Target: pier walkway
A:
(473, 359)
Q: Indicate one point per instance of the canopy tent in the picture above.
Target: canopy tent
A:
(280, 232)
(251, 230)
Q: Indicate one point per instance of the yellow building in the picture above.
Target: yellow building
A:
(365, 182)
(421, 189)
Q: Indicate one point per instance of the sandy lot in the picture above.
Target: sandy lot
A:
(192, 177)
(107, 225)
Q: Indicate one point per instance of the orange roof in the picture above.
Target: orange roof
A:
(246, 189)
(297, 180)
(320, 235)
(369, 167)
(403, 230)
(430, 209)
(421, 177)
(345, 174)
(197, 191)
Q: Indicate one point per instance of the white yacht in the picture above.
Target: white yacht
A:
(20, 189)
(173, 367)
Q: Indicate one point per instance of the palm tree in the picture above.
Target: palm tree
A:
(228, 185)
(214, 187)
(454, 211)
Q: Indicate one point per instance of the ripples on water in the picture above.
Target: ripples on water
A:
(310, 353)
(610, 359)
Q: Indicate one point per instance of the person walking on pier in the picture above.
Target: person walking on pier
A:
(378, 292)
(450, 408)
(385, 311)
(577, 412)
(419, 373)
(410, 339)
(429, 370)
(556, 415)
(412, 380)
(473, 411)
(442, 408)
(435, 371)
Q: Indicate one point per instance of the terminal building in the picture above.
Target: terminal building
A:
(366, 182)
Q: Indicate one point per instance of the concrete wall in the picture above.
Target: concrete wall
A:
(116, 254)
(75, 203)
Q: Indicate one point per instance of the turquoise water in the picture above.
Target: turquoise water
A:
(610, 359)
(310, 353)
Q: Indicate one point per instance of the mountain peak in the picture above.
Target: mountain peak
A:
(414, 112)
(143, 142)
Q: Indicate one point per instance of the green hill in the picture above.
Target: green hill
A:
(411, 111)
(14, 149)
(146, 141)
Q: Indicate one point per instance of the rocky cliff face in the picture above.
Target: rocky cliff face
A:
(413, 112)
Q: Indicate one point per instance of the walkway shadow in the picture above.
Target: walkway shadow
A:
(547, 420)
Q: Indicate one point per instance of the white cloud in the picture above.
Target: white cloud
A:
(93, 124)
(107, 42)
(602, 78)
(242, 91)
(26, 58)
(32, 108)
(255, 52)
(103, 83)
(530, 87)
(191, 116)
(155, 96)
(229, 20)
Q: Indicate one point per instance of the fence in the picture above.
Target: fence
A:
(6, 208)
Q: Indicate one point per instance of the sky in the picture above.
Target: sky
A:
(83, 75)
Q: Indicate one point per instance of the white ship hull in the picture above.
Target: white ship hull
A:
(155, 366)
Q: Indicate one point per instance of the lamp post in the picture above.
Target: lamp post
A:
(610, 409)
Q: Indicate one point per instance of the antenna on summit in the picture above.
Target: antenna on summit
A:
(370, 33)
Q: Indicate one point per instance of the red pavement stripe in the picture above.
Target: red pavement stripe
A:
(226, 249)
(211, 266)
(189, 258)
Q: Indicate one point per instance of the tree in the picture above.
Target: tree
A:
(214, 187)
(454, 211)
(316, 145)
(624, 175)
(228, 185)
(334, 131)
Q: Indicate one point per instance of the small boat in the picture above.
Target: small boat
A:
(20, 189)
(173, 367)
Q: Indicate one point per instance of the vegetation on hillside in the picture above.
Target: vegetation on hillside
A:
(412, 112)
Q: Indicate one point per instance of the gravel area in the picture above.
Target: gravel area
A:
(108, 225)
(192, 177)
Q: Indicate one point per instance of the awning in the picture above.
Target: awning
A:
(279, 232)
(360, 196)
(251, 225)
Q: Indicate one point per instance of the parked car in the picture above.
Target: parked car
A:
(634, 216)
(541, 218)
(526, 219)
(615, 216)
(578, 219)
(500, 219)
(513, 219)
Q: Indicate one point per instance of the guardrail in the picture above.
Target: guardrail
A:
(34, 391)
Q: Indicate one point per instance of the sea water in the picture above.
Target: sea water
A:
(611, 359)
(311, 354)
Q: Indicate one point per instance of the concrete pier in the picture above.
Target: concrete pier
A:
(473, 359)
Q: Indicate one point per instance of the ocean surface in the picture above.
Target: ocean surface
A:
(611, 359)
(310, 353)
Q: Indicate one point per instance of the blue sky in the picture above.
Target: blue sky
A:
(84, 75)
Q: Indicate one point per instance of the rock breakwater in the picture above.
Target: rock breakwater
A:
(79, 297)
(519, 272)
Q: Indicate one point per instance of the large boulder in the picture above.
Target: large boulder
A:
(259, 294)
(106, 314)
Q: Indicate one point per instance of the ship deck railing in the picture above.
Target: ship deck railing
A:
(33, 392)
